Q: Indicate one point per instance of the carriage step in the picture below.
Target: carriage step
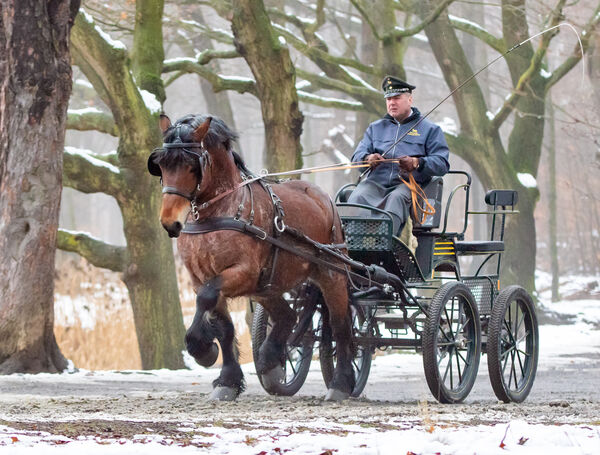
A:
(395, 321)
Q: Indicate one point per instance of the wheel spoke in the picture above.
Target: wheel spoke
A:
(442, 356)
(513, 368)
(448, 367)
(467, 363)
(449, 321)
(458, 367)
(506, 356)
(291, 362)
(451, 377)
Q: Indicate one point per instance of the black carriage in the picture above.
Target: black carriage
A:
(420, 300)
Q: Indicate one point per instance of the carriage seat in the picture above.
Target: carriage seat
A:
(478, 247)
(433, 189)
(496, 199)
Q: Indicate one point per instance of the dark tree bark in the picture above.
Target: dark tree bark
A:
(275, 77)
(35, 78)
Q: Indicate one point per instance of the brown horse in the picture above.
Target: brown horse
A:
(198, 166)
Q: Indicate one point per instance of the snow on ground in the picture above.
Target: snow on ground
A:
(560, 346)
(514, 438)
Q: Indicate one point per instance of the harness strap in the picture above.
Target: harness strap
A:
(419, 210)
(231, 224)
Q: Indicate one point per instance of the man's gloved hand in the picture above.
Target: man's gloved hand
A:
(408, 163)
(374, 160)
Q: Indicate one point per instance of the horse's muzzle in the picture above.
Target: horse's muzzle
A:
(173, 229)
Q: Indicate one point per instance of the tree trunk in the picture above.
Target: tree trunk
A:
(553, 247)
(35, 75)
(275, 76)
(149, 270)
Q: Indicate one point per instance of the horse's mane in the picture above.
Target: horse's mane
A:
(218, 135)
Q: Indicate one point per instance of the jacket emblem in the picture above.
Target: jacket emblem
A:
(413, 132)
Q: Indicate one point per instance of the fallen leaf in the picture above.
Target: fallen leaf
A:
(523, 440)
(14, 439)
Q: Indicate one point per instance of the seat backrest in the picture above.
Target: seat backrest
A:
(501, 198)
(434, 191)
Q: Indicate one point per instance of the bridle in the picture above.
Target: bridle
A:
(187, 147)
(203, 158)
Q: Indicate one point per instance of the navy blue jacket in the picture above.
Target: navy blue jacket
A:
(426, 141)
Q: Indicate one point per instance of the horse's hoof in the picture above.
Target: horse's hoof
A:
(222, 393)
(275, 376)
(336, 395)
(210, 357)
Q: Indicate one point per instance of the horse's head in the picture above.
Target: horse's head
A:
(184, 162)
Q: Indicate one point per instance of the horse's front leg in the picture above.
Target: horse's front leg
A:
(199, 338)
(271, 356)
(212, 320)
(230, 383)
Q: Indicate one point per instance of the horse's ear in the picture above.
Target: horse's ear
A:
(201, 131)
(164, 122)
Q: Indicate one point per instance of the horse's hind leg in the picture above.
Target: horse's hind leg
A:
(271, 354)
(230, 382)
(336, 298)
(199, 338)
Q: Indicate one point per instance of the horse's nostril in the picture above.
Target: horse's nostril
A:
(177, 226)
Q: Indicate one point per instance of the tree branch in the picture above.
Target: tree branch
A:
(330, 102)
(316, 54)
(95, 251)
(533, 70)
(106, 65)
(86, 172)
(433, 15)
(219, 83)
(478, 32)
(576, 55)
(91, 120)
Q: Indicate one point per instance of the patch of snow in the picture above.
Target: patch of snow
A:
(84, 83)
(527, 180)
(464, 21)
(322, 436)
(151, 102)
(302, 84)
(360, 80)
(342, 159)
(88, 155)
(116, 44)
(545, 74)
(490, 115)
(282, 41)
(68, 311)
(312, 96)
(448, 126)
(85, 110)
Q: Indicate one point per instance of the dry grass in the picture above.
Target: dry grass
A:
(94, 321)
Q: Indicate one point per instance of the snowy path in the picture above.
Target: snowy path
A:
(167, 412)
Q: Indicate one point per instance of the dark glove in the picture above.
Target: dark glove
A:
(374, 160)
(408, 163)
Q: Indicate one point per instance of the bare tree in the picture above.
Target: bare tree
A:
(129, 83)
(35, 84)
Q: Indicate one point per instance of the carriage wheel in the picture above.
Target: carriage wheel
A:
(361, 363)
(451, 342)
(298, 350)
(513, 344)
